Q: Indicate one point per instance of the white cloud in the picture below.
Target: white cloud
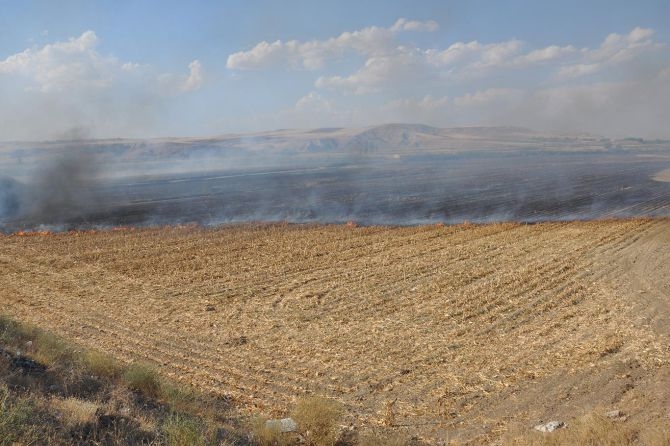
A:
(498, 53)
(454, 53)
(264, 55)
(546, 54)
(389, 64)
(620, 48)
(195, 79)
(615, 49)
(180, 83)
(476, 54)
(51, 89)
(403, 24)
(402, 65)
(75, 64)
(63, 64)
(414, 65)
(619, 86)
(312, 55)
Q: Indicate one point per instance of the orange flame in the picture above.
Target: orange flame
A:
(32, 233)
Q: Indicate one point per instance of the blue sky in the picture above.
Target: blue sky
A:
(145, 69)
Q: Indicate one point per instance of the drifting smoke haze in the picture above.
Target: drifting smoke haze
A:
(395, 174)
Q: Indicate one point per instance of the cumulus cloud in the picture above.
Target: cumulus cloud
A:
(61, 65)
(615, 49)
(403, 65)
(618, 47)
(313, 54)
(179, 83)
(388, 62)
(552, 52)
(506, 82)
(194, 79)
(69, 87)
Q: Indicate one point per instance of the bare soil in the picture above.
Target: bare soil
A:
(473, 330)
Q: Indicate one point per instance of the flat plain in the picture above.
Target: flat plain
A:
(463, 332)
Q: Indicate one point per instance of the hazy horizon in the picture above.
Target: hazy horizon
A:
(305, 130)
(80, 70)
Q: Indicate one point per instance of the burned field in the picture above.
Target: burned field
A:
(415, 188)
(467, 332)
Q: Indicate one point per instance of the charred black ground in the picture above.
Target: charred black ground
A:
(370, 189)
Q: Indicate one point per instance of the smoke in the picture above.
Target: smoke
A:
(395, 174)
(62, 188)
(10, 197)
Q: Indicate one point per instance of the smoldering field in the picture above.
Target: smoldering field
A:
(397, 174)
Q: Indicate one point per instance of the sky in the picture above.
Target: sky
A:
(105, 69)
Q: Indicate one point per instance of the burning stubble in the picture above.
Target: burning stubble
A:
(396, 174)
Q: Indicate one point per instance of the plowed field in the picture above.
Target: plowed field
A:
(472, 330)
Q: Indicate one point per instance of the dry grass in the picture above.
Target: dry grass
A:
(142, 377)
(75, 410)
(657, 435)
(457, 324)
(318, 419)
(101, 364)
(16, 420)
(591, 430)
(263, 434)
(63, 403)
(184, 431)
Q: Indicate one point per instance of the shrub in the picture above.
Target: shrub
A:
(181, 397)
(264, 435)
(75, 411)
(16, 420)
(15, 334)
(10, 331)
(318, 419)
(183, 431)
(101, 364)
(142, 377)
(52, 350)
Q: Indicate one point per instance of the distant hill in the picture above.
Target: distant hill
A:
(382, 139)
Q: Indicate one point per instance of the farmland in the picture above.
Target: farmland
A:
(467, 332)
